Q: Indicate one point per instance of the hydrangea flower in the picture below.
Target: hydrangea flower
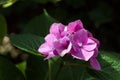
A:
(85, 47)
(72, 39)
(56, 42)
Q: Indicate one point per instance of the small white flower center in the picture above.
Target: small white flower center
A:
(65, 29)
(80, 44)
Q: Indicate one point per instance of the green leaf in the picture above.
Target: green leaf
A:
(72, 73)
(62, 70)
(99, 75)
(54, 67)
(22, 66)
(7, 3)
(8, 70)
(110, 66)
(37, 68)
(27, 42)
(3, 27)
(40, 24)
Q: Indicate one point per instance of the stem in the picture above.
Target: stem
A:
(59, 69)
(82, 76)
(49, 70)
(46, 77)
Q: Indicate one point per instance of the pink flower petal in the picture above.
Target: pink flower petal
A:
(65, 51)
(98, 43)
(62, 46)
(95, 53)
(77, 55)
(80, 36)
(50, 38)
(50, 55)
(75, 26)
(95, 64)
(44, 48)
(56, 28)
(87, 55)
(83, 54)
(91, 45)
(90, 41)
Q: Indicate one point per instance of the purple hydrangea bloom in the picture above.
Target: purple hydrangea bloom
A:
(85, 47)
(72, 39)
(56, 43)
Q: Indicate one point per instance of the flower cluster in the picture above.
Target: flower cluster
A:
(72, 39)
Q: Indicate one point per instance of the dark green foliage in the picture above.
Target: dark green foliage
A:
(36, 68)
(110, 67)
(8, 70)
(41, 24)
(27, 42)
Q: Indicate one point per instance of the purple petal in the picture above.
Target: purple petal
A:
(61, 43)
(50, 39)
(77, 55)
(83, 54)
(87, 55)
(95, 53)
(65, 51)
(80, 36)
(75, 26)
(58, 46)
(91, 45)
(63, 46)
(95, 64)
(57, 28)
(44, 49)
(50, 55)
(97, 41)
